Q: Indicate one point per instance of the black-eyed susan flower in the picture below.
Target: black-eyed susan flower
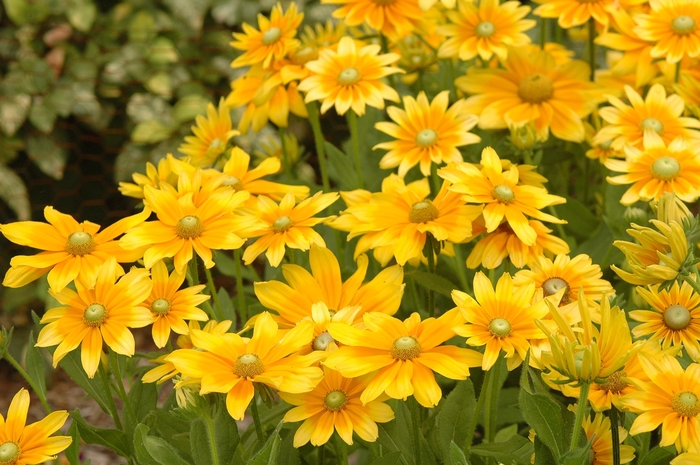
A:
(403, 354)
(211, 136)
(571, 13)
(93, 314)
(673, 26)
(30, 444)
(393, 18)
(598, 432)
(425, 133)
(335, 405)
(153, 177)
(687, 458)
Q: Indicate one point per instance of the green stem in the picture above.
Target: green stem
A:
(461, 267)
(110, 400)
(580, 412)
(240, 294)
(194, 271)
(477, 411)
(491, 401)
(256, 419)
(677, 76)
(352, 126)
(321, 454)
(120, 388)
(341, 449)
(591, 47)
(543, 32)
(693, 283)
(415, 417)
(285, 155)
(319, 140)
(559, 227)
(432, 310)
(211, 436)
(615, 430)
(7, 356)
(212, 290)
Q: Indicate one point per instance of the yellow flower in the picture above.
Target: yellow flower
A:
(657, 169)
(611, 390)
(673, 25)
(273, 41)
(403, 354)
(502, 193)
(687, 458)
(598, 431)
(335, 405)
(71, 250)
(153, 177)
(285, 225)
(502, 319)
(670, 208)
(92, 314)
(322, 35)
(231, 364)
(484, 30)
(30, 444)
(211, 136)
(350, 78)
(427, 133)
(393, 18)
(575, 12)
(689, 90)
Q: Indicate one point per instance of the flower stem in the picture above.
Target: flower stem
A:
(240, 294)
(120, 387)
(256, 419)
(432, 310)
(677, 76)
(194, 271)
(591, 46)
(7, 356)
(491, 400)
(543, 32)
(693, 283)
(479, 406)
(341, 450)
(285, 155)
(110, 403)
(214, 295)
(319, 140)
(580, 412)
(415, 416)
(615, 430)
(352, 125)
(212, 439)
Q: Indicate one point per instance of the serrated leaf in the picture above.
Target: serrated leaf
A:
(14, 193)
(268, 454)
(47, 155)
(224, 440)
(13, 112)
(73, 451)
(543, 456)
(35, 365)
(544, 415)
(455, 416)
(432, 282)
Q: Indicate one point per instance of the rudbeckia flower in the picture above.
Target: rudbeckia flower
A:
(153, 177)
(211, 136)
(673, 26)
(598, 432)
(571, 13)
(393, 18)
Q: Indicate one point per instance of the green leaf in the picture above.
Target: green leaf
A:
(71, 364)
(455, 416)
(14, 193)
(13, 111)
(23, 12)
(188, 107)
(171, 428)
(226, 303)
(506, 433)
(659, 456)
(396, 435)
(224, 438)
(544, 415)
(191, 12)
(543, 456)
(432, 282)
(73, 451)
(341, 168)
(578, 456)
(517, 449)
(35, 365)
(42, 115)
(391, 458)
(162, 52)
(142, 454)
(457, 455)
(150, 132)
(268, 454)
(111, 438)
(151, 450)
(143, 399)
(581, 222)
(47, 155)
(81, 14)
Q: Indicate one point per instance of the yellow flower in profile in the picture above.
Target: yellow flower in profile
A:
(661, 114)
(657, 169)
(103, 312)
(403, 354)
(674, 26)
(393, 18)
(30, 444)
(335, 405)
(426, 133)
(571, 13)
(71, 250)
(502, 319)
(322, 35)
(231, 364)
(532, 87)
(285, 225)
(273, 41)
(502, 193)
(598, 431)
(211, 136)
(350, 78)
(153, 177)
(484, 30)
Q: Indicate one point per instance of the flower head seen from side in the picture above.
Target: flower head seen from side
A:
(91, 315)
(393, 18)
(71, 250)
(153, 177)
(403, 354)
(598, 431)
(425, 133)
(211, 136)
(335, 405)
(673, 26)
(350, 78)
(30, 444)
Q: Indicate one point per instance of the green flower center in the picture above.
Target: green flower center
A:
(322, 341)
(189, 227)
(500, 327)
(686, 403)
(553, 285)
(683, 25)
(536, 88)
(485, 29)
(95, 315)
(348, 76)
(503, 194)
(9, 453)
(271, 35)
(677, 317)
(80, 243)
(422, 212)
(160, 306)
(282, 224)
(335, 400)
(665, 168)
(248, 366)
(614, 383)
(426, 138)
(233, 182)
(653, 124)
(405, 348)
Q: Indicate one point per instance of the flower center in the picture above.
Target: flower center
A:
(653, 124)
(405, 348)
(348, 77)
(686, 403)
(485, 29)
(80, 243)
(95, 315)
(160, 306)
(189, 227)
(9, 453)
(683, 25)
(282, 224)
(614, 383)
(248, 365)
(677, 317)
(554, 285)
(503, 194)
(426, 138)
(422, 212)
(535, 88)
(665, 168)
(500, 327)
(271, 35)
(322, 341)
(234, 182)
(335, 400)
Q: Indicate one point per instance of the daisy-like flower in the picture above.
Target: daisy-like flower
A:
(71, 250)
(502, 319)
(393, 18)
(674, 26)
(687, 458)
(426, 133)
(350, 78)
(671, 398)
(403, 354)
(153, 177)
(573, 13)
(182, 226)
(273, 41)
(657, 169)
(211, 136)
(484, 30)
(598, 431)
(231, 364)
(532, 87)
(502, 193)
(30, 444)
(663, 115)
(93, 314)
(335, 405)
